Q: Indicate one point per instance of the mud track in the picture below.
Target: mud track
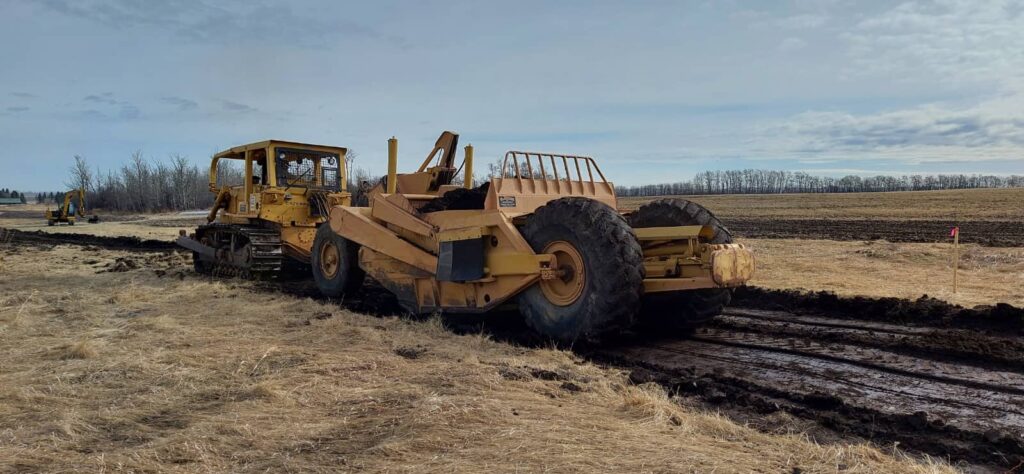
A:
(987, 233)
(46, 239)
(888, 383)
(922, 311)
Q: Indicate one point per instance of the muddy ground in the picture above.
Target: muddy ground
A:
(928, 311)
(987, 233)
(932, 378)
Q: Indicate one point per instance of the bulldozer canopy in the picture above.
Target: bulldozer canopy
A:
(238, 152)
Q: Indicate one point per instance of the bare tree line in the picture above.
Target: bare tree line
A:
(145, 185)
(756, 181)
(149, 186)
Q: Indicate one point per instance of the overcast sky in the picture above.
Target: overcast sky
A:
(656, 91)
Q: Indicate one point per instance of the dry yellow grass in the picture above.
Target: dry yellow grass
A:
(191, 375)
(969, 204)
(988, 275)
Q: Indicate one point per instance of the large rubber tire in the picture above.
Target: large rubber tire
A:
(613, 271)
(681, 311)
(347, 277)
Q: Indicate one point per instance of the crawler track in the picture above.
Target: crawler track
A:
(884, 382)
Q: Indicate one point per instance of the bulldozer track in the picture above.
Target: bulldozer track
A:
(265, 254)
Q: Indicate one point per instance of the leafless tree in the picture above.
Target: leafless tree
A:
(80, 175)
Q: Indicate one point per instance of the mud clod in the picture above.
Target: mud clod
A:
(571, 387)
(121, 264)
(513, 373)
(411, 352)
(919, 420)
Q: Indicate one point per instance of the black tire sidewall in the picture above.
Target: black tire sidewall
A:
(613, 268)
(348, 276)
(561, 321)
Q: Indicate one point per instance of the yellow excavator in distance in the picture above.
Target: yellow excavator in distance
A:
(72, 206)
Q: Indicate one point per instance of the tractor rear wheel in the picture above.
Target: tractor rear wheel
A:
(335, 263)
(681, 310)
(600, 267)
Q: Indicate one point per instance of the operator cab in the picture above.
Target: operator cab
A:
(276, 172)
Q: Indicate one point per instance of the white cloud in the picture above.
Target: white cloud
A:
(953, 41)
(802, 21)
(993, 130)
(792, 44)
(962, 46)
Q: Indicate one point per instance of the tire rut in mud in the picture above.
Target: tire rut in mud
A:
(965, 347)
(917, 432)
(885, 383)
(924, 311)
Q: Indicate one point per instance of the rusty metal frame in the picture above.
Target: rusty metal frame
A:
(528, 156)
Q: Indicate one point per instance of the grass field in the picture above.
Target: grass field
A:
(970, 204)
(130, 371)
(987, 275)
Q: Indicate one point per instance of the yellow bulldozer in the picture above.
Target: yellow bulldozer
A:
(544, 234)
(71, 208)
(267, 223)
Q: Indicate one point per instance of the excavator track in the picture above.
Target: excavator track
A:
(242, 251)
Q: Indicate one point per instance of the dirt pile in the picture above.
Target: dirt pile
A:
(987, 233)
(121, 264)
(175, 263)
(40, 238)
(922, 311)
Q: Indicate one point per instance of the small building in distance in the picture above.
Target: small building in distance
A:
(10, 201)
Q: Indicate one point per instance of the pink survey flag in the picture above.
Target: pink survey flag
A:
(954, 231)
